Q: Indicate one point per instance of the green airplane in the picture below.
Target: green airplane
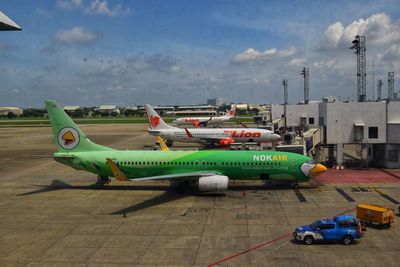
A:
(210, 170)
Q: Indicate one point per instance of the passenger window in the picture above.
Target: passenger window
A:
(330, 226)
(326, 226)
(346, 224)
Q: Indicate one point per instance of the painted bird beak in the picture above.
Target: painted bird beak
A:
(318, 169)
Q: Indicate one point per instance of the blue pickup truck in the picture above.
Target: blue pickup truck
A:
(343, 228)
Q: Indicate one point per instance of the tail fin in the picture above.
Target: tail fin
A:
(162, 144)
(68, 136)
(155, 121)
(231, 113)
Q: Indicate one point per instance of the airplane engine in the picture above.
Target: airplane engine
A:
(213, 183)
(226, 142)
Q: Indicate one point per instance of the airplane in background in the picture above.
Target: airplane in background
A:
(204, 121)
(220, 136)
(210, 170)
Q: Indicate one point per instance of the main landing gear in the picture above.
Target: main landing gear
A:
(103, 180)
(182, 187)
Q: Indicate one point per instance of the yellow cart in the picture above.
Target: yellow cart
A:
(374, 214)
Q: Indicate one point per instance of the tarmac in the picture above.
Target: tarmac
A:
(53, 215)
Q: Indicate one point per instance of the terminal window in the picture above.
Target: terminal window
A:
(311, 120)
(393, 155)
(373, 132)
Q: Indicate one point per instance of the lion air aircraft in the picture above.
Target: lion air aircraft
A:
(220, 136)
(204, 121)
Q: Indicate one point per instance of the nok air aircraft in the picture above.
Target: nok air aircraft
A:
(210, 170)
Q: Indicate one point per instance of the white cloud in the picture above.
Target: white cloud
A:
(96, 7)
(378, 29)
(252, 54)
(298, 62)
(329, 64)
(390, 58)
(100, 7)
(69, 4)
(42, 12)
(392, 53)
(76, 35)
(332, 35)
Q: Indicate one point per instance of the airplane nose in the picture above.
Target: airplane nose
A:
(318, 169)
(276, 136)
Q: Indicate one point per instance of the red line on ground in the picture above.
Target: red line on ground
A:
(264, 244)
(250, 249)
(390, 173)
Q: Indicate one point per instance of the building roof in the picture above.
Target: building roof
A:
(132, 108)
(71, 107)
(108, 107)
(196, 107)
(6, 24)
(10, 108)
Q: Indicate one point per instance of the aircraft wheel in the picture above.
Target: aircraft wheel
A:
(103, 180)
(296, 186)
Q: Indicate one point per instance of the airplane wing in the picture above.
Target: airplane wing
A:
(179, 176)
(205, 123)
(121, 176)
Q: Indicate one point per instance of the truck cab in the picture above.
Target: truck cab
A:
(343, 228)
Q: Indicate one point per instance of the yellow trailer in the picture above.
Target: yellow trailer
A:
(374, 214)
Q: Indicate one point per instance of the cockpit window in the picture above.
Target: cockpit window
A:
(311, 162)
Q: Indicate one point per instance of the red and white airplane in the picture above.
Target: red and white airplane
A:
(220, 136)
(204, 121)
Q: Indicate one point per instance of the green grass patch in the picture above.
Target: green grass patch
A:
(119, 120)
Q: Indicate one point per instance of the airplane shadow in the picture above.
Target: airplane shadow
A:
(169, 194)
(60, 185)
(166, 197)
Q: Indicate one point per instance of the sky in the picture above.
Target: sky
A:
(93, 52)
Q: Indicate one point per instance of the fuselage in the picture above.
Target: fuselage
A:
(269, 165)
(209, 134)
(194, 120)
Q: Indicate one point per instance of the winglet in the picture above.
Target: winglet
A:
(196, 123)
(188, 133)
(162, 144)
(241, 123)
(118, 174)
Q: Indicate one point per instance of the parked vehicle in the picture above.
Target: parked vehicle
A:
(344, 228)
(374, 214)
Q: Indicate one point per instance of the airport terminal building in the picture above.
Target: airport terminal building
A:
(374, 127)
